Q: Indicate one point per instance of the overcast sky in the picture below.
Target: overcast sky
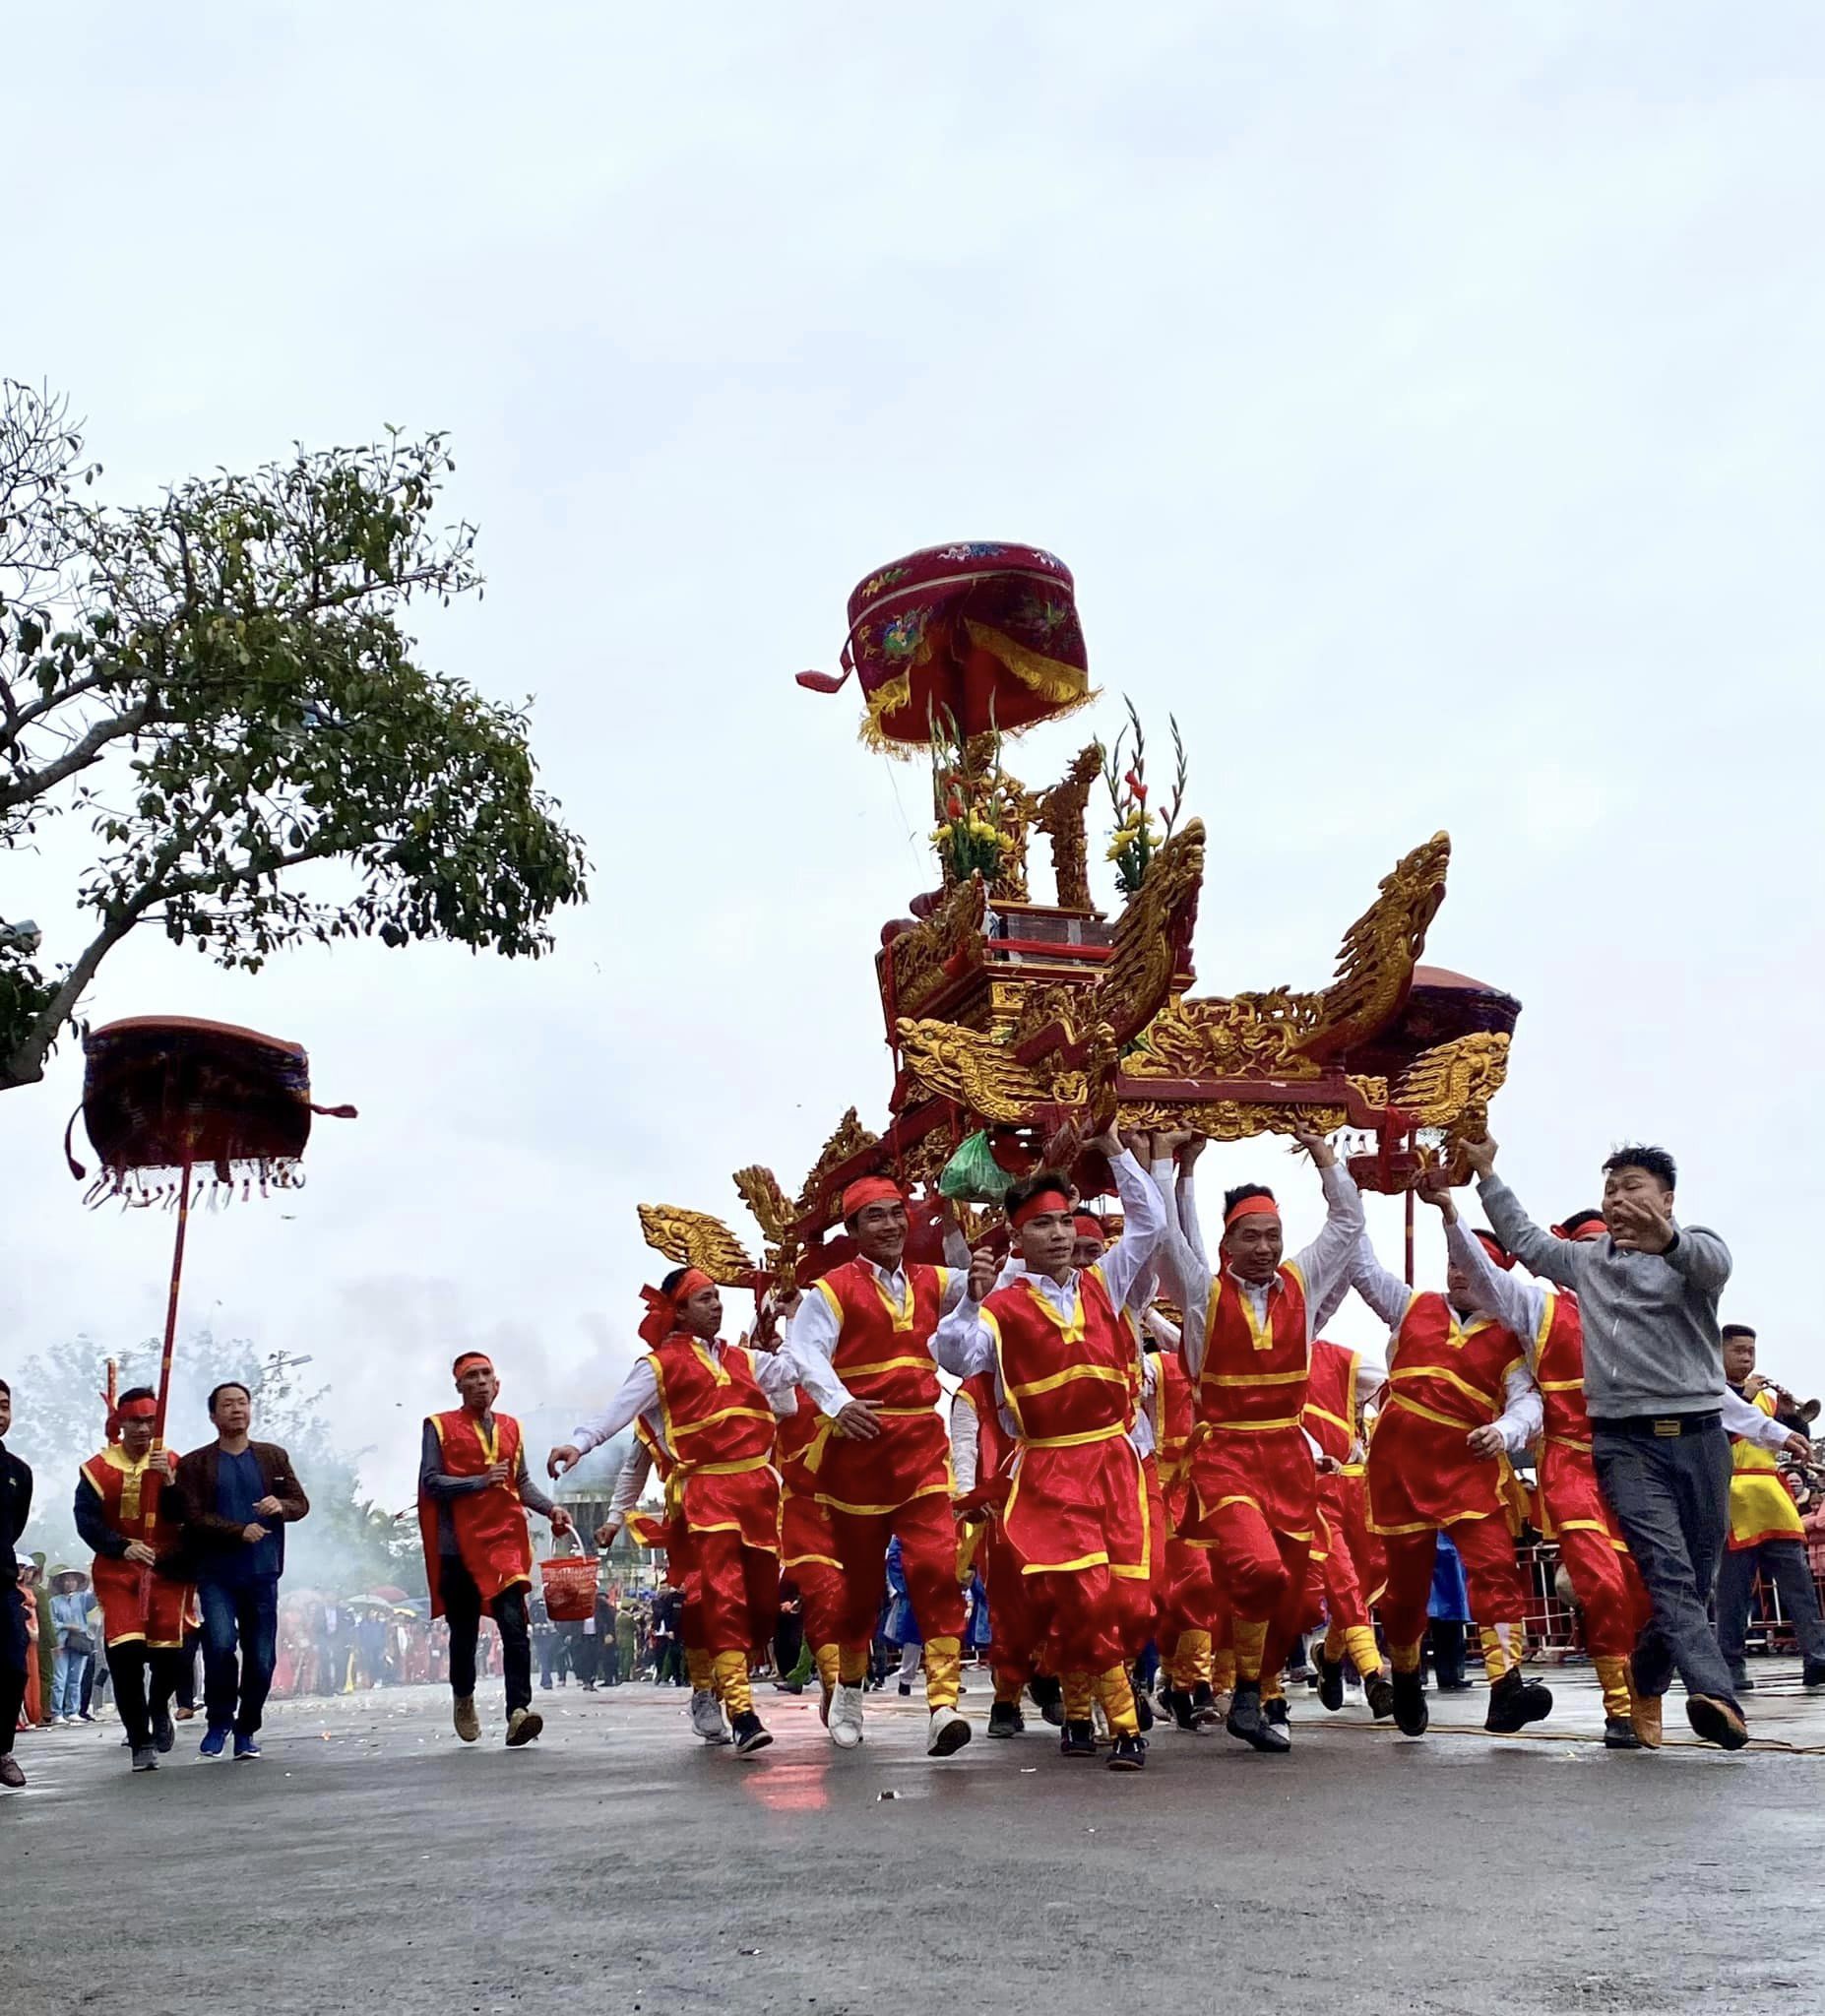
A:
(1425, 398)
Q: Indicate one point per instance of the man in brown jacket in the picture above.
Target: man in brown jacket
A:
(237, 1496)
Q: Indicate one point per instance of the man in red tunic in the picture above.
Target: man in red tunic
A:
(711, 1410)
(1333, 1421)
(1247, 1347)
(1460, 1399)
(121, 1512)
(473, 1494)
(1063, 1358)
(861, 1346)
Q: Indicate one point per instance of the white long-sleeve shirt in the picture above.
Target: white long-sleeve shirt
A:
(1521, 1305)
(1323, 1265)
(964, 1344)
(812, 1343)
(1522, 1413)
(774, 1374)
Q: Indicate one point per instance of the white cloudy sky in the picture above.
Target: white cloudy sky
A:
(1427, 399)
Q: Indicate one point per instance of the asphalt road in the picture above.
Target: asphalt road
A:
(369, 1861)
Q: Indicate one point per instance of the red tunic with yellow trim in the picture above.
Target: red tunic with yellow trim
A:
(1250, 1396)
(1175, 1418)
(1079, 1498)
(719, 1428)
(1330, 1419)
(1760, 1507)
(805, 1539)
(995, 1448)
(883, 1355)
(665, 1530)
(1569, 1497)
(490, 1525)
(1445, 1379)
(136, 1603)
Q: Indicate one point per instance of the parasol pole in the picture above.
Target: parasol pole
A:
(170, 1313)
(165, 1364)
(1410, 1235)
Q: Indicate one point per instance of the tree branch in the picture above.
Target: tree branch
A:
(78, 756)
(26, 1066)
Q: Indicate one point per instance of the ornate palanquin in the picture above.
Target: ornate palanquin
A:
(1036, 1023)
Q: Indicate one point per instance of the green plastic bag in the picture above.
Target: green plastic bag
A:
(972, 1175)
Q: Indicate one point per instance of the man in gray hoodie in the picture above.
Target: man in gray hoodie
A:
(1653, 1388)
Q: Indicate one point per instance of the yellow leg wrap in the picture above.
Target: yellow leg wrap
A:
(1613, 1678)
(699, 1669)
(829, 1663)
(1496, 1657)
(1223, 1669)
(1364, 1652)
(853, 1665)
(1115, 1691)
(1336, 1642)
(943, 1671)
(1250, 1643)
(1078, 1696)
(1273, 1688)
(731, 1681)
(1405, 1658)
(1191, 1659)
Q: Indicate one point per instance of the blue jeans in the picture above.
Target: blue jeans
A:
(67, 1682)
(234, 1695)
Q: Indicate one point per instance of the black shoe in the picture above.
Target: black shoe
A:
(1812, 1673)
(164, 1735)
(1005, 1720)
(1143, 1710)
(1048, 1692)
(1740, 1680)
(1330, 1683)
(1130, 1754)
(1251, 1724)
(1457, 1686)
(1379, 1696)
(1278, 1711)
(145, 1758)
(1078, 1740)
(1514, 1703)
(905, 1690)
(1619, 1734)
(1177, 1703)
(1204, 1707)
(748, 1733)
(1412, 1715)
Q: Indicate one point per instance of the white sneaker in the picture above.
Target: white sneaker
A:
(707, 1716)
(948, 1734)
(845, 1716)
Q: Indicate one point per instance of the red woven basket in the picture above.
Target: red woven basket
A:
(569, 1588)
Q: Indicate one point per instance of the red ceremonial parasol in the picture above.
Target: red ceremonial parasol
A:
(165, 1098)
(964, 640)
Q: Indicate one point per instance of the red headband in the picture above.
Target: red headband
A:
(1590, 1228)
(1250, 1207)
(1089, 1227)
(662, 1317)
(146, 1410)
(1496, 1252)
(1050, 1199)
(867, 1190)
(472, 1358)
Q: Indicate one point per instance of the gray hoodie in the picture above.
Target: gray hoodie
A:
(1651, 1339)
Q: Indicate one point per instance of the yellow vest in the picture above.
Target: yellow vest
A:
(1760, 1507)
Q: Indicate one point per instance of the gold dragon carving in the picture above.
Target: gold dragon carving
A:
(759, 1189)
(695, 1238)
(850, 1138)
(1061, 814)
(1450, 1086)
(1281, 1034)
(919, 956)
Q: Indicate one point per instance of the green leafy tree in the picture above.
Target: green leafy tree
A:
(219, 684)
(349, 1545)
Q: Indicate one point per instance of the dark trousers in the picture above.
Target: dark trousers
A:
(1447, 1640)
(187, 1671)
(1670, 1495)
(143, 1681)
(583, 1658)
(243, 1615)
(1784, 1563)
(669, 1663)
(462, 1609)
(610, 1671)
(15, 1650)
(788, 1641)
